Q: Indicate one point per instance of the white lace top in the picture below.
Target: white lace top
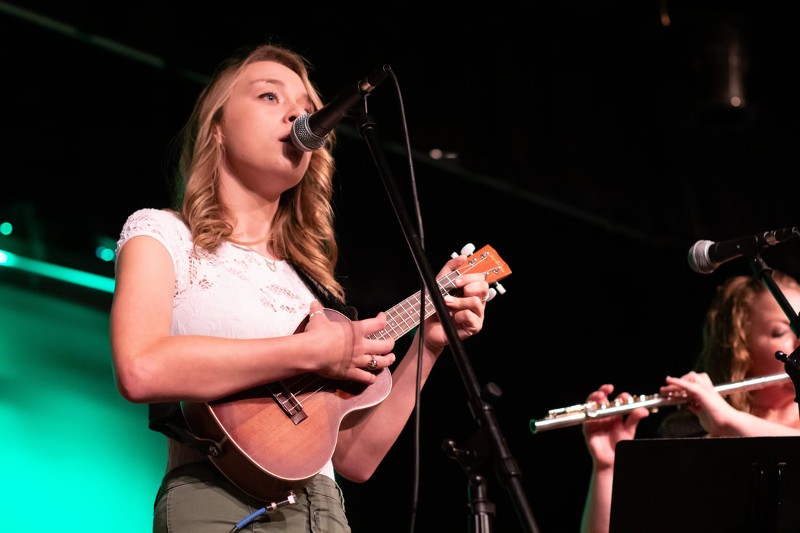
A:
(234, 292)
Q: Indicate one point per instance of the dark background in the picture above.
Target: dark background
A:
(591, 144)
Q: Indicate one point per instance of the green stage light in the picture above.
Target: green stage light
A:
(69, 275)
(105, 253)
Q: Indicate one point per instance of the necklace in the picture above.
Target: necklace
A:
(271, 263)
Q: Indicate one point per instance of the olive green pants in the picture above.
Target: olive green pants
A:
(197, 498)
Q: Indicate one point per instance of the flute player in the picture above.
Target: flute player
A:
(744, 327)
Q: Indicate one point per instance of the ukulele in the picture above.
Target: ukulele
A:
(273, 438)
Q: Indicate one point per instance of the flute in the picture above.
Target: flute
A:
(584, 412)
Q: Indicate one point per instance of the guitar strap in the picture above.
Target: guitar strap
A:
(325, 297)
(167, 418)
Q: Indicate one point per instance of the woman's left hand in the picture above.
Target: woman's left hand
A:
(467, 309)
(705, 402)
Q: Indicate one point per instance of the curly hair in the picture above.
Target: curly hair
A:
(302, 231)
(725, 355)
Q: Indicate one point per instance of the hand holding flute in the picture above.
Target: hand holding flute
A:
(604, 435)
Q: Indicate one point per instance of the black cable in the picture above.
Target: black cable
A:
(423, 299)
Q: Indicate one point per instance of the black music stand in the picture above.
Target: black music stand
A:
(736, 484)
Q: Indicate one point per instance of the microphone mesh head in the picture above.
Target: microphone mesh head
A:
(698, 258)
(302, 137)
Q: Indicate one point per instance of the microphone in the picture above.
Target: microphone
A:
(706, 256)
(309, 131)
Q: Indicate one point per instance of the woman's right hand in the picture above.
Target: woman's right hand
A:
(344, 347)
(603, 434)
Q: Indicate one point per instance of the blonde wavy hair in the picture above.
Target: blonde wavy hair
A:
(303, 231)
(725, 356)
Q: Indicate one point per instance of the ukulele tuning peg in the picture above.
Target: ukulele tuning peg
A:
(466, 250)
(491, 295)
(500, 288)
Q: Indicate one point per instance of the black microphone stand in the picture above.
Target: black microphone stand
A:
(482, 411)
(791, 362)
